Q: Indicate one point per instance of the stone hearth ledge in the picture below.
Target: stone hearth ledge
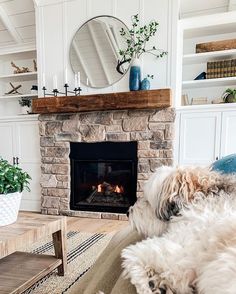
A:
(152, 129)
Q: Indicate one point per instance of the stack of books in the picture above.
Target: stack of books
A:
(221, 69)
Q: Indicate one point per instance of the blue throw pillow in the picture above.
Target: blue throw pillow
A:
(225, 165)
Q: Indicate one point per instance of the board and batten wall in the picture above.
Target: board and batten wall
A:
(58, 20)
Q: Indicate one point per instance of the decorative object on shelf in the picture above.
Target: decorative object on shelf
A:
(217, 101)
(229, 96)
(34, 89)
(199, 101)
(221, 69)
(137, 39)
(145, 84)
(216, 46)
(19, 70)
(26, 105)
(135, 75)
(185, 100)
(13, 181)
(201, 76)
(14, 89)
(77, 89)
(35, 65)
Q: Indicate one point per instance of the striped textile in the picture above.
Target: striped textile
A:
(83, 250)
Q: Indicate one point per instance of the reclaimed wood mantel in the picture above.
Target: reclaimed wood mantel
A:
(149, 99)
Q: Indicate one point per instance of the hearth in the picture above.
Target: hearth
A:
(103, 176)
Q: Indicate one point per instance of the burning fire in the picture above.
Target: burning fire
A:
(118, 189)
(99, 188)
(105, 187)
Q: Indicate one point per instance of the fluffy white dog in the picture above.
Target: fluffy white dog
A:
(170, 189)
(197, 254)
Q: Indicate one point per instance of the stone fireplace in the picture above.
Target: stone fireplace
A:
(150, 130)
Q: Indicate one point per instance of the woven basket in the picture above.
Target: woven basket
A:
(9, 208)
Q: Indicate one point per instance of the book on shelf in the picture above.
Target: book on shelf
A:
(185, 100)
(199, 101)
(221, 69)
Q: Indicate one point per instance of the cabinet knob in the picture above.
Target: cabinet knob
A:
(217, 158)
(14, 160)
(17, 160)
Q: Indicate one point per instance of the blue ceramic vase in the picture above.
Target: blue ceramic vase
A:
(145, 84)
(135, 75)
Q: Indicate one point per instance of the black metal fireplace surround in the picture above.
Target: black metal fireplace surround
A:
(103, 176)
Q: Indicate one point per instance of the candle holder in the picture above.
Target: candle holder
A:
(66, 86)
(55, 92)
(44, 91)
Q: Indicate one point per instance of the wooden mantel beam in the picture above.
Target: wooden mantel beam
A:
(150, 99)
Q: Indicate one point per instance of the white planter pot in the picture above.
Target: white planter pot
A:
(9, 208)
(26, 110)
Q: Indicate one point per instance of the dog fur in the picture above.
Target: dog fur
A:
(197, 254)
(144, 220)
(170, 189)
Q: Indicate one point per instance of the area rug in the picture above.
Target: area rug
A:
(83, 250)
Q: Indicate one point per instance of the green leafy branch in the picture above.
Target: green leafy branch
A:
(137, 39)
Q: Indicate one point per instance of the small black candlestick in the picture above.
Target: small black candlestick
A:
(55, 92)
(79, 90)
(66, 86)
(44, 91)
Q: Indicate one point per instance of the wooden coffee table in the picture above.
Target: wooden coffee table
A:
(20, 270)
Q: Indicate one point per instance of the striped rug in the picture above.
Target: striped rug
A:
(83, 250)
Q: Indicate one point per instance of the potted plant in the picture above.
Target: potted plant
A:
(229, 96)
(137, 40)
(25, 103)
(13, 180)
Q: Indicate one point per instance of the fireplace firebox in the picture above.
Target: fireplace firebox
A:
(103, 176)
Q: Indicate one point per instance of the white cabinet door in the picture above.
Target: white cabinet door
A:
(28, 152)
(7, 146)
(199, 138)
(228, 139)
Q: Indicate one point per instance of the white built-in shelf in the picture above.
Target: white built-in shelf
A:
(208, 56)
(209, 83)
(18, 96)
(20, 77)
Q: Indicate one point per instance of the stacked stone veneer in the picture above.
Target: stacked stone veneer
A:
(153, 130)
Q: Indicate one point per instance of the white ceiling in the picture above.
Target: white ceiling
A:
(17, 17)
(17, 22)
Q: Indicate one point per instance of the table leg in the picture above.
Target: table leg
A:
(59, 241)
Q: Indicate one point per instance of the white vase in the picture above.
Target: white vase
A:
(9, 208)
(26, 109)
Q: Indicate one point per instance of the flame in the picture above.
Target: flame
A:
(119, 189)
(99, 188)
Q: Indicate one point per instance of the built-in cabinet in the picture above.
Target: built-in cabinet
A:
(205, 136)
(20, 144)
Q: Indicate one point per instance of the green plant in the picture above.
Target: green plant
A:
(12, 178)
(25, 102)
(229, 95)
(149, 76)
(138, 38)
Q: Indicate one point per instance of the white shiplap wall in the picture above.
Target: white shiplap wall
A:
(57, 22)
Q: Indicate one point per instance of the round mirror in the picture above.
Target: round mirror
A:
(94, 52)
